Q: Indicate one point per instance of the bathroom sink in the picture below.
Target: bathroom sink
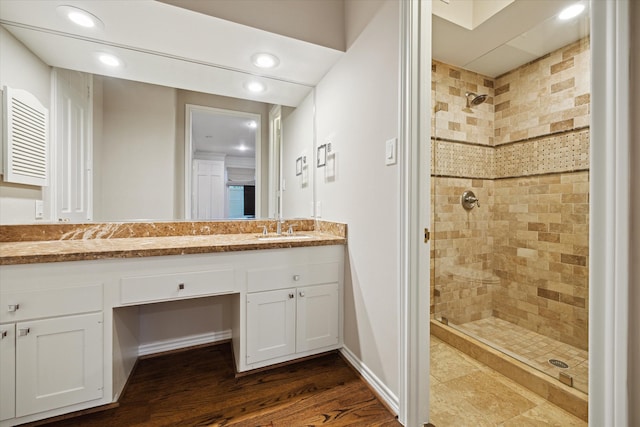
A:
(284, 237)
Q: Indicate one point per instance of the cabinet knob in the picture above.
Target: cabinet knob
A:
(296, 277)
(23, 331)
(3, 335)
(180, 286)
(13, 307)
(301, 293)
(291, 295)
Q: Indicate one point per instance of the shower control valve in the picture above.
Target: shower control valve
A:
(469, 200)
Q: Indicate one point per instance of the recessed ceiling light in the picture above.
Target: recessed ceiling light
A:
(110, 60)
(80, 17)
(252, 124)
(571, 11)
(255, 87)
(265, 60)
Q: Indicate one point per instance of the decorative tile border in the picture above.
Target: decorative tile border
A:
(560, 152)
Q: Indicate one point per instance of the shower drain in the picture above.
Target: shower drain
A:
(558, 363)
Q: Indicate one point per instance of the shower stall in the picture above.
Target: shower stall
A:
(510, 209)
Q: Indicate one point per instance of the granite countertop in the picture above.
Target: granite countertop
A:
(89, 242)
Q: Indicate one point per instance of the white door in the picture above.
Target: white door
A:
(208, 189)
(58, 362)
(317, 317)
(271, 324)
(73, 152)
(7, 371)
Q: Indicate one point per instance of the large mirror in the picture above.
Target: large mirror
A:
(151, 117)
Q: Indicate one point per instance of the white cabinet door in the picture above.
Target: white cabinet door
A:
(317, 317)
(58, 362)
(271, 324)
(7, 371)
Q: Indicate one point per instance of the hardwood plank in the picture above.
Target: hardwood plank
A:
(198, 388)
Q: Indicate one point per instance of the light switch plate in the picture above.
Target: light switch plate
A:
(39, 214)
(391, 151)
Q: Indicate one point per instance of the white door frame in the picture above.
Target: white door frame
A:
(609, 228)
(275, 163)
(415, 166)
(609, 214)
(188, 152)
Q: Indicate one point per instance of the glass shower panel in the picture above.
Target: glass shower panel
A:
(462, 256)
(510, 203)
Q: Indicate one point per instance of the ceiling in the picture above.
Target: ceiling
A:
(520, 32)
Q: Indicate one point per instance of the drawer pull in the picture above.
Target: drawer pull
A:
(13, 307)
(23, 331)
(181, 286)
(291, 295)
(296, 277)
(301, 293)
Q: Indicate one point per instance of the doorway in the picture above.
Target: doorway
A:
(222, 163)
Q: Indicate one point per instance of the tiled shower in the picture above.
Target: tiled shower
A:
(513, 271)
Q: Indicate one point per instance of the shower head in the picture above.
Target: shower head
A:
(474, 99)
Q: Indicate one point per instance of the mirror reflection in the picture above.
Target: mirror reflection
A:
(178, 154)
(129, 151)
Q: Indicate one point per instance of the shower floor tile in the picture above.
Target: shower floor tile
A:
(466, 393)
(531, 348)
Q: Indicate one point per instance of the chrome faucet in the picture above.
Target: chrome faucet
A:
(279, 222)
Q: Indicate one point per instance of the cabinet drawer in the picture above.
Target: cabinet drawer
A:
(292, 276)
(50, 302)
(134, 290)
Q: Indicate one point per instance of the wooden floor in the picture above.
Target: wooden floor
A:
(198, 388)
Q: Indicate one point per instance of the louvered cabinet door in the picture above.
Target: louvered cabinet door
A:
(25, 138)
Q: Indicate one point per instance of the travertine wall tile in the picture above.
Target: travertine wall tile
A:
(523, 255)
(535, 106)
(449, 85)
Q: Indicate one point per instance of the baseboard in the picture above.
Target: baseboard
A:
(388, 398)
(183, 342)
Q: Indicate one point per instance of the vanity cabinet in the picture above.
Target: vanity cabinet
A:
(289, 321)
(50, 363)
(71, 330)
(7, 371)
(294, 306)
(51, 351)
(58, 362)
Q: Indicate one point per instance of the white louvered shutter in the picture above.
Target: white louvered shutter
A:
(25, 139)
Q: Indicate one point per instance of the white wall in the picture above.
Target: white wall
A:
(184, 319)
(297, 141)
(21, 69)
(137, 157)
(357, 111)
